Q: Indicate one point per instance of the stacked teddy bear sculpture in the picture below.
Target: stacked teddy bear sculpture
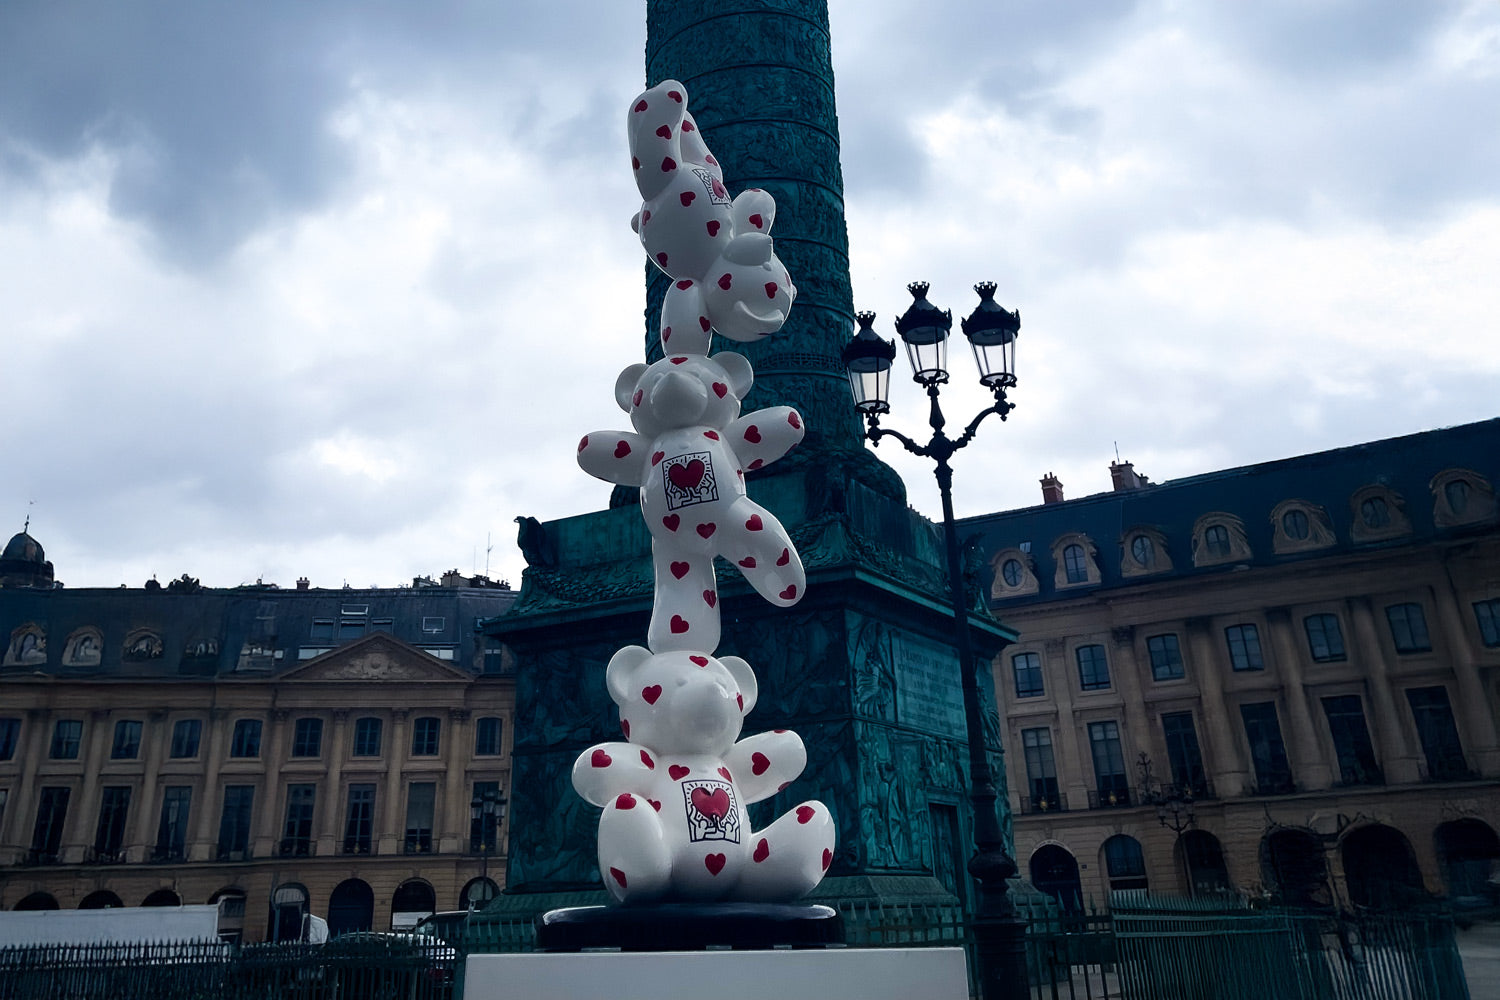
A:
(674, 792)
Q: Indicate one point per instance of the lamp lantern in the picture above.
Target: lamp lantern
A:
(924, 330)
(992, 331)
(867, 359)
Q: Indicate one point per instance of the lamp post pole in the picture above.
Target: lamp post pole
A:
(999, 933)
(488, 811)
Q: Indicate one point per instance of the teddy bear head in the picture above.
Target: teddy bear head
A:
(747, 290)
(681, 702)
(684, 390)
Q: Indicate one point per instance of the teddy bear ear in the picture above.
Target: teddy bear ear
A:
(619, 675)
(749, 249)
(744, 677)
(738, 368)
(754, 211)
(625, 385)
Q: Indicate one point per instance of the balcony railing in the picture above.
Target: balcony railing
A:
(234, 854)
(418, 843)
(160, 855)
(1110, 798)
(352, 846)
(296, 847)
(97, 857)
(1275, 784)
(1194, 790)
(39, 857)
(1456, 769)
(1048, 804)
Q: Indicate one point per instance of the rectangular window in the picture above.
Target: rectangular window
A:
(420, 797)
(485, 811)
(10, 735)
(1111, 784)
(307, 738)
(367, 737)
(1487, 613)
(1027, 668)
(66, 736)
(354, 609)
(1351, 741)
(109, 834)
(1093, 668)
(127, 744)
(1244, 647)
(1433, 714)
(296, 832)
(351, 629)
(359, 821)
(1041, 771)
(1184, 758)
(186, 735)
(246, 741)
(171, 831)
(1408, 628)
(1324, 638)
(1166, 657)
(234, 822)
(382, 624)
(1273, 775)
(424, 736)
(46, 835)
(433, 624)
(322, 629)
(487, 733)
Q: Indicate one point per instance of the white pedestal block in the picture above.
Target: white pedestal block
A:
(815, 974)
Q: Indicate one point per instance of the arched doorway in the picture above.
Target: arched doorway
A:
(1293, 868)
(37, 901)
(1124, 863)
(101, 900)
(351, 907)
(1201, 858)
(231, 903)
(1469, 853)
(288, 906)
(477, 892)
(162, 897)
(1055, 872)
(1380, 868)
(414, 899)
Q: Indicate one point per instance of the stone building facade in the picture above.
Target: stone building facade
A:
(292, 751)
(1307, 650)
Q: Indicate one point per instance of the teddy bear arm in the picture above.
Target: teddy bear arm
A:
(779, 757)
(615, 456)
(762, 436)
(654, 131)
(603, 771)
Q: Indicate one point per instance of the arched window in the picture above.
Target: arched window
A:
(351, 907)
(1055, 871)
(1013, 573)
(1468, 851)
(1292, 866)
(1202, 859)
(1125, 863)
(1380, 868)
(37, 901)
(1219, 537)
(101, 900)
(288, 906)
(1216, 541)
(1074, 564)
(476, 893)
(1143, 550)
(1461, 496)
(162, 897)
(1379, 514)
(1375, 512)
(414, 899)
(1075, 557)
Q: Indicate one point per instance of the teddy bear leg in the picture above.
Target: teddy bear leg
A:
(788, 858)
(633, 856)
(685, 609)
(757, 543)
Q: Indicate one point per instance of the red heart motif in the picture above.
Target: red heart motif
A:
(671, 521)
(679, 361)
(719, 190)
(678, 772)
(714, 863)
(805, 814)
(661, 259)
(759, 762)
(618, 876)
(720, 389)
(707, 529)
(770, 289)
(783, 786)
(757, 464)
(666, 334)
(687, 475)
(675, 95)
(709, 159)
(685, 284)
(678, 625)
(710, 598)
(651, 693)
(714, 803)
(789, 594)
(680, 569)
(687, 125)
(711, 435)
(600, 759)
(794, 420)
(752, 434)
(703, 322)
(827, 858)
(778, 731)
(786, 557)
(713, 227)
(646, 759)
(664, 131)
(584, 443)
(724, 772)
(656, 458)
(636, 399)
(702, 661)
(641, 106)
(622, 449)
(655, 804)
(754, 523)
(625, 727)
(748, 562)
(645, 217)
(686, 198)
(757, 221)
(762, 851)
(739, 700)
(668, 165)
(635, 164)
(625, 801)
(725, 280)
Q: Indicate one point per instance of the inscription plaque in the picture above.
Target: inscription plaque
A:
(929, 689)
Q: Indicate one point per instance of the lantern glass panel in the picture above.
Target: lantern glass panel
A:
(995, 355)
(871, 389)
(927, 349)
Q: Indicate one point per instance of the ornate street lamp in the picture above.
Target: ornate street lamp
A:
(999, 933)
(487, 812)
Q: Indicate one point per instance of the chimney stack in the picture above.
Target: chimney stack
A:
(303, 583)
(1051, 489)
(1125, 477)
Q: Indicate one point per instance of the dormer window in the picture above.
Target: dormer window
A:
(1143, 550)
(1379, 513)
(1216, 541)
(1219, 537)
(1014, 574)
(1460, 497)
(1075, 557)
(1300, 526)
(1375, 513)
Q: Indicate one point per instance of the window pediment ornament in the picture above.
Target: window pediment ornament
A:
(28, 647)
(83, 648)
(143, 644)
(1460, 497)
(1379, 513)
(1015, 574)
(1143, 551)
(1218, 538)
(1300, 526)
(1076, 561)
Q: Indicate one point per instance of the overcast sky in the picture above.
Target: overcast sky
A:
(332, 290)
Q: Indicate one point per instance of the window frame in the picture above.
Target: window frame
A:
(1041, 769)
(10, 737)
(1405, 637)
(128, 748)
(1334, 650)
(1162, 666)
(66, 744)
(1487, 618)
(490, 744)
(1089, 677)
(244, 742)
(187, 739)
(307, 737)
(368, 729)
(1251, 656)
(426, 740)
(1033, 670)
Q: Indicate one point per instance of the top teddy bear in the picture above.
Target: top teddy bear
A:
(718, 249)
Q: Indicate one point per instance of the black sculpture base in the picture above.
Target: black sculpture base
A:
(690, 927)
